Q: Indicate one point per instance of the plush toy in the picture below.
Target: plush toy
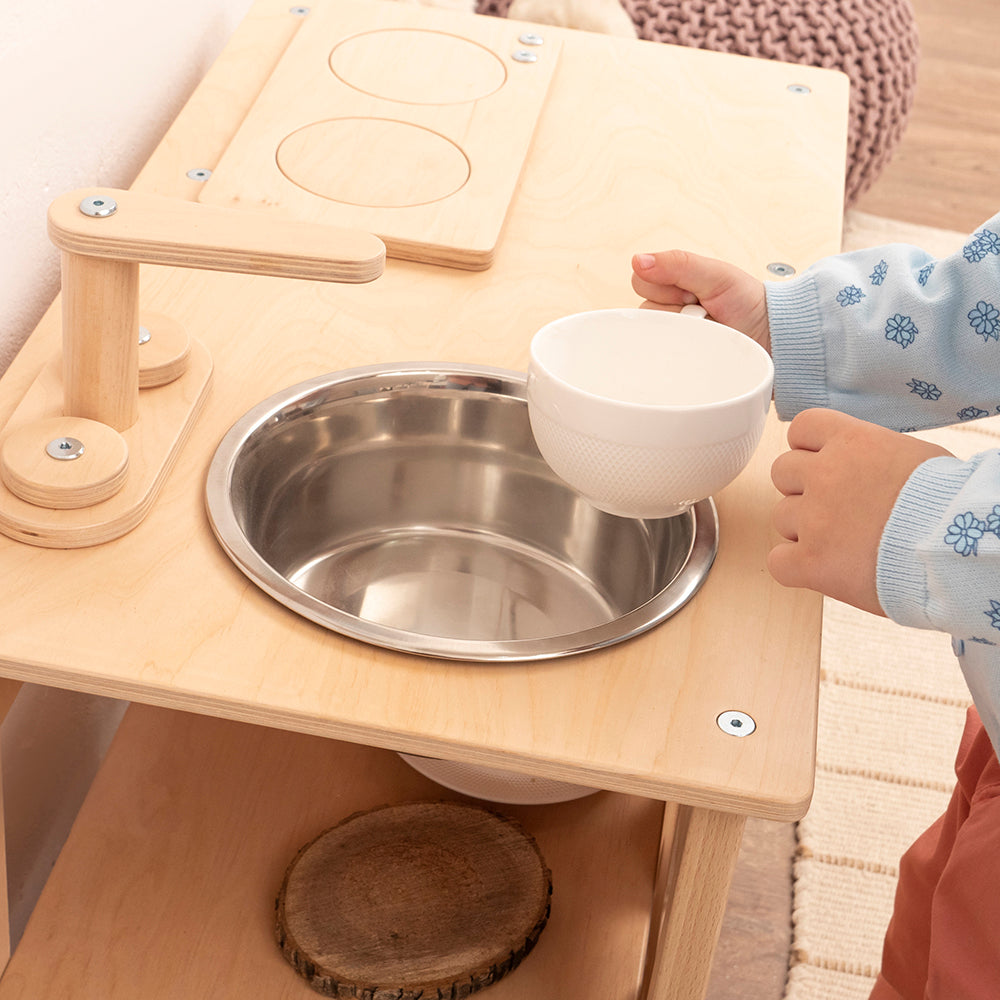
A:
(469, 6)
(605, 16)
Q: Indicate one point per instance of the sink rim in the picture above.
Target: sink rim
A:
(234, 542)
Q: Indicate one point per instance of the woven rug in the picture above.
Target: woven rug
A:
(891, 711)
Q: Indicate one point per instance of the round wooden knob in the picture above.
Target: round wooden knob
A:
(64, 462)
(418, 900)
(164, 347)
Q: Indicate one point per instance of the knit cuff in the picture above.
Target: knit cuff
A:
(796, 346)
(920, 508)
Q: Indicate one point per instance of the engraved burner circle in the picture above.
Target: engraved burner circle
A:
(357, 161)
(393, 64)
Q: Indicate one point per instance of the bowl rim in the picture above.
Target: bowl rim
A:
(234, 542)
(537, 367)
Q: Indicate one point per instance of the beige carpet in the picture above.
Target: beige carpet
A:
(892, 706)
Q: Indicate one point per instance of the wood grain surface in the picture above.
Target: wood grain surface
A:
(164, 356)
(641, 716)
(412, 123)
(413, 900)
(155, 230)
(152, 444)
(31, 474)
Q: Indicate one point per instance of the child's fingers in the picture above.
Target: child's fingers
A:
(789, 472)
(704, 277)
(785, 565)
(664, 295)
(786, 517)
(810, 430)
(729, 294)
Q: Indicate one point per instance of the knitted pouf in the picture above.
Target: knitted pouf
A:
(873, 41)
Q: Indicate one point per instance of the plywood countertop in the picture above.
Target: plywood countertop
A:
(639, 147)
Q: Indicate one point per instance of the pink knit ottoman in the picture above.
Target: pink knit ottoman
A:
(873, 41)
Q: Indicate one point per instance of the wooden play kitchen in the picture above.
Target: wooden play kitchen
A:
(252, 729)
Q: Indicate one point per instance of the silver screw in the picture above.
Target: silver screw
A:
(298, 11)
(199, 174)
(523, 55)
(65, 448)
(780, 269)
(144, 335)
(98, 206)
(736, 723)
(530, 38)
(798, 88)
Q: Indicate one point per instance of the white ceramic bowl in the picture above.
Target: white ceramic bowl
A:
(645, 412)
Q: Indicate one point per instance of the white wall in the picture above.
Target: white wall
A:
(88, 88)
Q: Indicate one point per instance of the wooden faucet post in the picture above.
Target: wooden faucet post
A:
(100, 317)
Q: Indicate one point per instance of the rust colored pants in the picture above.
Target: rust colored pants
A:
(943, 942)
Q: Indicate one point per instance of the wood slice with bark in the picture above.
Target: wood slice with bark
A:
(428, 900)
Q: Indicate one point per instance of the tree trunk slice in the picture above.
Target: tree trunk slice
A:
(428, 900)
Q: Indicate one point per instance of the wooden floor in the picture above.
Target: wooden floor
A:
(946, 170)
(945, 173)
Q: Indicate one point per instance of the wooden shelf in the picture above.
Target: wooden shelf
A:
(166, 885)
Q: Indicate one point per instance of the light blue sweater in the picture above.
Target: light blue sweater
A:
(898, 338)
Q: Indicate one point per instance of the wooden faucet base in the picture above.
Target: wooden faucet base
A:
(166, 415)
(164, 356)
(95, 473)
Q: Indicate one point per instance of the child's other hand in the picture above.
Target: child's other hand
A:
(840, 482)
(728, 294)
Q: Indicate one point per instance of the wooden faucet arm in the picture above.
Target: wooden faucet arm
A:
(155, 230)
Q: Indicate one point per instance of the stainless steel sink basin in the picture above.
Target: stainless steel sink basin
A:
(407, 506)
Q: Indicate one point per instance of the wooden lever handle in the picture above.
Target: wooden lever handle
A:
(154, 230)
(104, 245)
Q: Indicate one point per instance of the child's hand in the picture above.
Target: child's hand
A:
(840, 482)
(728, 294)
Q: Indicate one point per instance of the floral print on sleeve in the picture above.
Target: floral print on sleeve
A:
(850, 296)
(925, 390)
(993, 613)
(892, 335)
(982, 245)
(964, 533)
(972, 413)
(901, 329)
(900, 338)
(984, 318)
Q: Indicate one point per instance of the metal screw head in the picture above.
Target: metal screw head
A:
(736, 723)
(530, 38)
(98, 206)
(524, 56)
(780, 269)
(65, 448)
(199, 174)
(298, 11)
(798, 88)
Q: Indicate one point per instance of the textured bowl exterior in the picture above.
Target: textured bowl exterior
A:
(645, 459)
(638, 480)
